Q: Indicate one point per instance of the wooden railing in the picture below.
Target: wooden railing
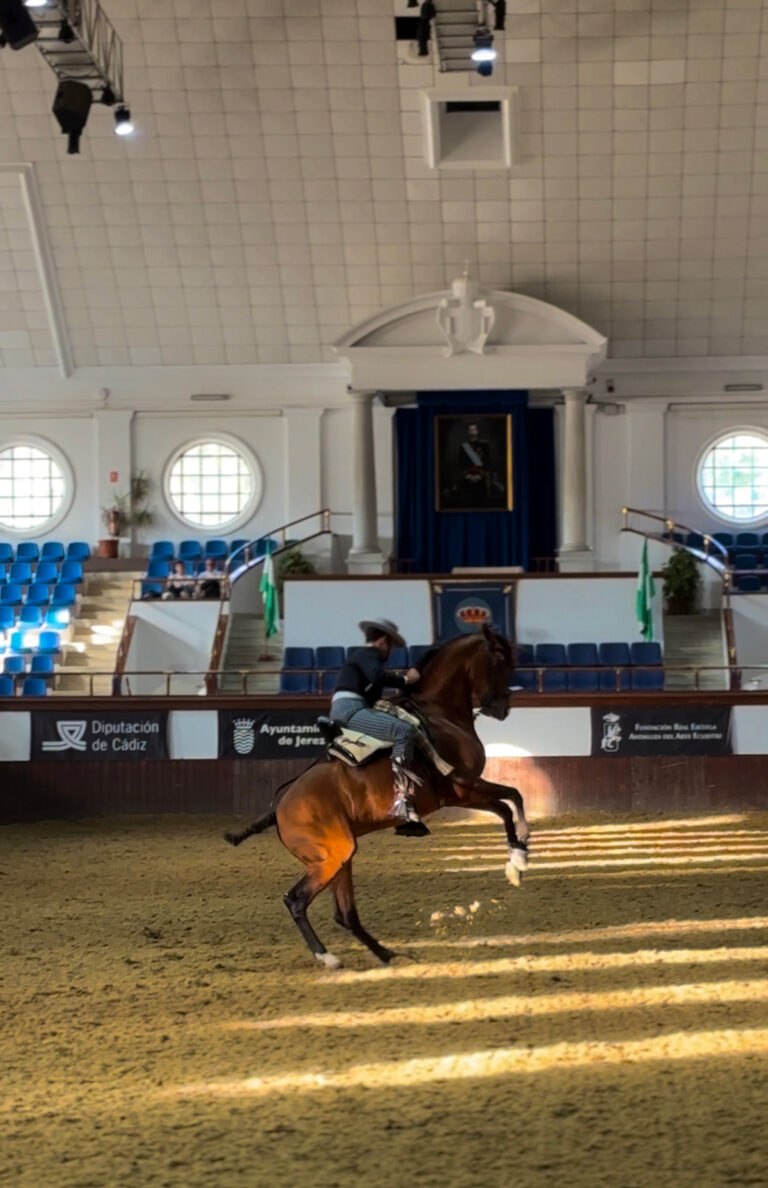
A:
(217, 651)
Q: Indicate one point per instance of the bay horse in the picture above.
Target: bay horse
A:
(327, 808)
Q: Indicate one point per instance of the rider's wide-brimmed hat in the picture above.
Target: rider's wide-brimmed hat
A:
(386, 627)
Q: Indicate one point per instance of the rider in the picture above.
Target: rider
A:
(359, 686)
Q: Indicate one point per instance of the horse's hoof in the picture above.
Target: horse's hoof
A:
(518, 858)
(514, 875)
(328, 960)
(386, 955)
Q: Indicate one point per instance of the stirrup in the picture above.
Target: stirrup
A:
(411, 824)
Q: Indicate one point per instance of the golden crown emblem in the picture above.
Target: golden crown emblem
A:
(473, 614)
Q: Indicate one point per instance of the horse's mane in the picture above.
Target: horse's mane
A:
(437, 650)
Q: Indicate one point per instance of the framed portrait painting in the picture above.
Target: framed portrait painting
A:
(473, 463)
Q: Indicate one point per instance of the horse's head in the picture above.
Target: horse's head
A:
(488, 668)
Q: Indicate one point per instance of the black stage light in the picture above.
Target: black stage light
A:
(123, 122)
(108, 97)
(485, 69)
(17, 28)
(71, 106)
(65, 33)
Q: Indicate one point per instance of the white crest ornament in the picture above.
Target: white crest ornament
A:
(465, 319)
(611, 740)
(71, 737)
(243, 737)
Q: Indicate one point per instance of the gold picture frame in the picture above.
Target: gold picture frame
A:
(473, 462)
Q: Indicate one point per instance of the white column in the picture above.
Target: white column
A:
(574, 553)
(365, 555)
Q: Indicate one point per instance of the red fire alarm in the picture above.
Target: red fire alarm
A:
(113, 476)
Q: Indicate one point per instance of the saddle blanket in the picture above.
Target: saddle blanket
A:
(355, 748)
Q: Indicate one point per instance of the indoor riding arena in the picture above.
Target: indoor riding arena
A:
(383, 594)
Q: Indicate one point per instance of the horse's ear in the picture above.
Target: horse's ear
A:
(487, 632)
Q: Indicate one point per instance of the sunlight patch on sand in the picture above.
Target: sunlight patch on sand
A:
(590, 863)
(494, 1062)
(609, 932)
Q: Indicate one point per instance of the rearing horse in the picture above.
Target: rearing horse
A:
(331, 805)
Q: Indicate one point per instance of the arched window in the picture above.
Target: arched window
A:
(213, 484)
(733, 476)
(34, 487)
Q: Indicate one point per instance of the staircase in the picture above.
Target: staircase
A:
(97, 632)
(453, 32)
(245, 652)
(694, 639)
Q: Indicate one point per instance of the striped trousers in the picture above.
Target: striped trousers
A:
(353, 712)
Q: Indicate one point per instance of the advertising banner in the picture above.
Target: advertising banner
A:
(637, 730)
(460, 609)
(271, 734)
(89, 734)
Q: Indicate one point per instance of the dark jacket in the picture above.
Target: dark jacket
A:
(365, 674)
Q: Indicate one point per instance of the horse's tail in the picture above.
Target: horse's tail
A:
(265, 822)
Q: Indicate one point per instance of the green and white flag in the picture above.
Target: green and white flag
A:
(646, 591)
(269, 596)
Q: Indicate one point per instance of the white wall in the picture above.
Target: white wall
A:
(318, 613)
(750, 628)
(576, 610)
(171, 637)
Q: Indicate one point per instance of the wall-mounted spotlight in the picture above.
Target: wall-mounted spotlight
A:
(35, 3)
(483, 51)
(123, 122)
(66, 33)
(17, 28)
(71, 107)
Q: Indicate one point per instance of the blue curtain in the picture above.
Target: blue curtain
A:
(428, 541)
(542, 482)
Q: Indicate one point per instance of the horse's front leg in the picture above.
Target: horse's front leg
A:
(517, 851)
(503, 792)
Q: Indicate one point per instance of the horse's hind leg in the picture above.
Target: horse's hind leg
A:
(346, 914)
(298, 899)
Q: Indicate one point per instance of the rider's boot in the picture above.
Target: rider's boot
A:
(404, 780)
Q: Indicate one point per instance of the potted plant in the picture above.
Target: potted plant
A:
(682, 583)
(292, 563)
(128, 511)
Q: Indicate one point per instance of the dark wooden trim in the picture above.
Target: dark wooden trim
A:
(122, 654)
(212, 680)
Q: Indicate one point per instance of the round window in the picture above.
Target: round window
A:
(34, 487)
(733, 476)
(213, 484)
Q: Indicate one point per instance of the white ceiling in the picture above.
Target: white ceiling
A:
(275, 191)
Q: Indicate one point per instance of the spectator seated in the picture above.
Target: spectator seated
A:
(48, 572)
(297, 682)
(162, 550)
(34, 687)
(329, 657)
(78, 550)
(6, 686)
(28, 550)
(53, 550)
(299, 658)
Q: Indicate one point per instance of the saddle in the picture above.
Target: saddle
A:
(357, 749)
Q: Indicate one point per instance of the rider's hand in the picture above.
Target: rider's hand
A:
(412, 676)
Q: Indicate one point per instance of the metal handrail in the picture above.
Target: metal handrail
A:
(673, 526)
(325, 519)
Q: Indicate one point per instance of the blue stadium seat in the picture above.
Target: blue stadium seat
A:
(190, 550)
(747, 540)
(328, 681)
(162, 550)
(216, 548)
(7, 618)
(583, 682)
(63, 595)
(647, 679)
(584, 655)
(645, 652)
(78, 550)
(72, 572)
(329, 657)
(608, 682)
(48, 643)
(6, 686)
(158, 568)
(299, 658)
(58, 618)
(236, 545)
(398, 658)
(525, 656)
(352, 649)
(615, 654)
(34, 687)
(28, 550)
(724, 538)
(6, 553)
(14, 666)
(524, 678)
(48, 572)
(554, 680)
(266, 544)
(695, 540)
(42, 666)
(37, 594)
(416, 653)
(3, 573)
(20, 573)
(297, 682)
(745, 561)
(30, 616)
(53, 550)
(746, 583)
(550, 655)
(10, 595)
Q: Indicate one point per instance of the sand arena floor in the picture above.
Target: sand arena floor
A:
(162, 1023)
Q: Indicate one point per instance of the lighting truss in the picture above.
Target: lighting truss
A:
(94, 53)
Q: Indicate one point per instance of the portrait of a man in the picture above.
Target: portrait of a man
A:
(473, 463)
